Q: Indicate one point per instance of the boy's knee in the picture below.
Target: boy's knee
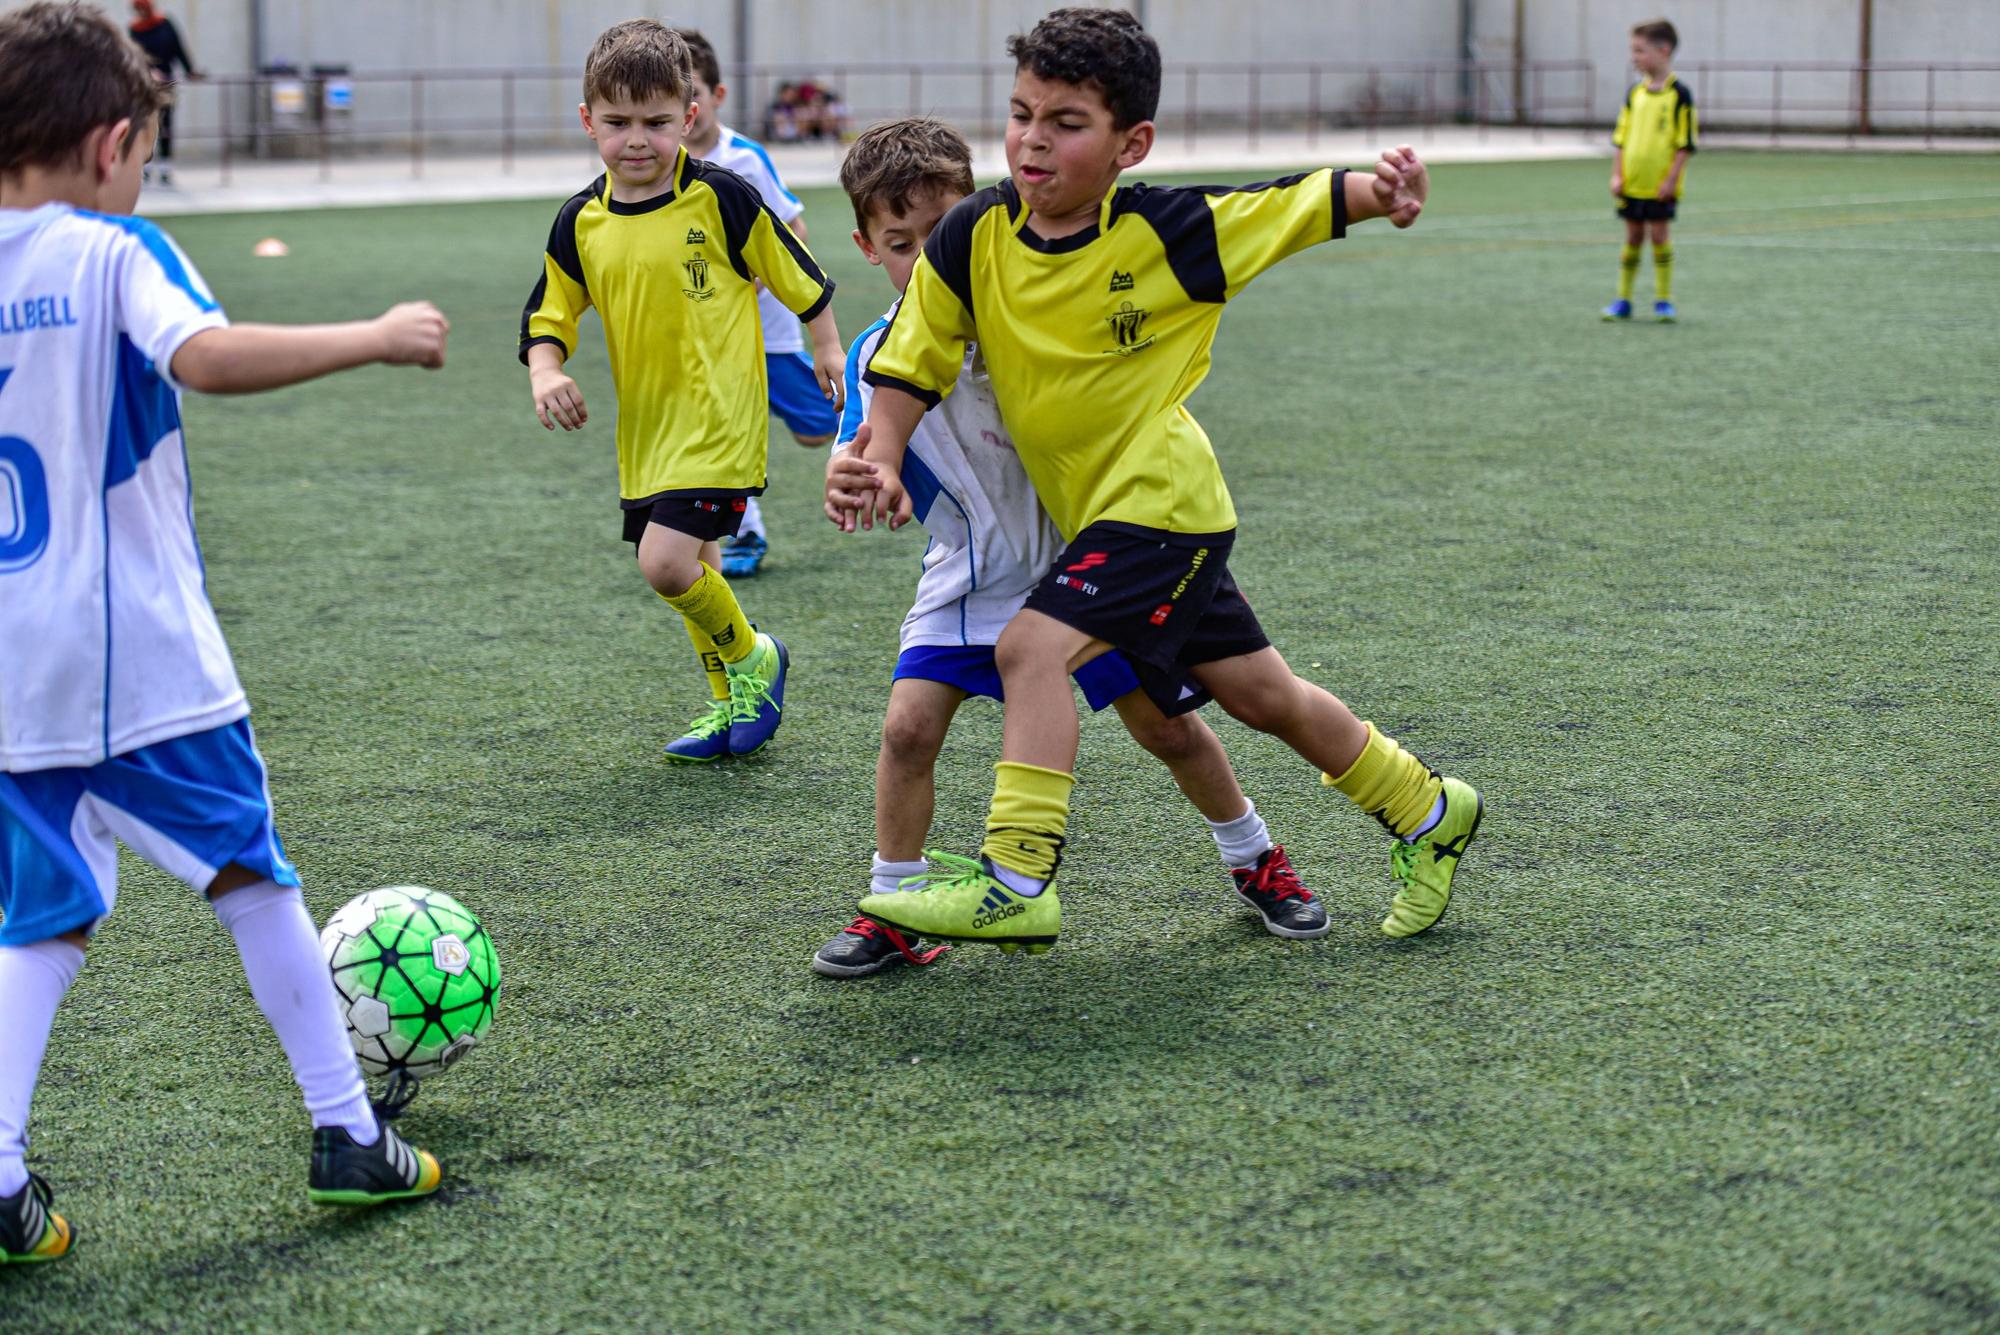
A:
(1170, 740)
(1267, 707)
(912, 736)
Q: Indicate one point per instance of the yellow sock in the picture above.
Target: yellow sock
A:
(1628, 271)
(1663, 272)
(1024, 829)
(711, 661)
(710, 607)
(1390, 784)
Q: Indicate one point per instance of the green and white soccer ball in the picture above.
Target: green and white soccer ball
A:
(417, 979)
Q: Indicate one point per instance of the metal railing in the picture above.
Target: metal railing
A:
(506, 111)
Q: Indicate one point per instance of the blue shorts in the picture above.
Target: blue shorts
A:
(796, 396)
(971, 668)
(190, 806)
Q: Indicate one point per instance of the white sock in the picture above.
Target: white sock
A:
(289, 979)
(1019, 881)
(1241, 841)
(1430, 822)
(883, 875)
(32, 982)
(753, 520)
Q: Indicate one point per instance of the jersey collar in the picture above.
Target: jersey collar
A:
(1017, 214)
(659, 201)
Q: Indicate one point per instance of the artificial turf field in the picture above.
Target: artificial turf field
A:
(1708, 1040)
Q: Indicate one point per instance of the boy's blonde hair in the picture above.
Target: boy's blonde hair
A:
(639, 60)
(66, 70)
(1659, 32)
(893, 163)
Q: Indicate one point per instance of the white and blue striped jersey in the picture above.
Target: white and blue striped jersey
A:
(747, 158)
(107, 639)
(990, 540)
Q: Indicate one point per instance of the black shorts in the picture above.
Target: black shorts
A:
(1165, 601)
(707, 515)
(1646, 210)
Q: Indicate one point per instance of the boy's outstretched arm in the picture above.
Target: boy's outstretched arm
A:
(1397, 190)
(245, 358)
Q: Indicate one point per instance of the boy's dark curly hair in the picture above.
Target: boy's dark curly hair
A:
(1105, 49)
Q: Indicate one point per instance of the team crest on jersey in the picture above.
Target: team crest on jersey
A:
(1128, 324)
(697, 237)
(1120, 281)
(697, 272)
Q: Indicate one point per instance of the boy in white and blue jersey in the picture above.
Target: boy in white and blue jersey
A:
(121, 717)
(796, 398)
(990, 543)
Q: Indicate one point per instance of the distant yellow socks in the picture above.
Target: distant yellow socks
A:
(1024, 829)
(1628, 271)
(1663, 272)
(711, 608)
(1390, 784)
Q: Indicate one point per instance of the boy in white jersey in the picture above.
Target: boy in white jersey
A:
(796, 397)
(121, 717)
(990, 542)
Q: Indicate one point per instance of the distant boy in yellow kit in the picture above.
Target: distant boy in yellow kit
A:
(1655, 136)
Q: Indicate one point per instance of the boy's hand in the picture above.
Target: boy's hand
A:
(558, 402)
(1618, 185)
(1402, 184)
(850, 485)
(1669, 189)
(413, 334)
(830, 369)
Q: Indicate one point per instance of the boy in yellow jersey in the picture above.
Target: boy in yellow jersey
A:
(1095, 307)
(670, 250)
(1655, 135)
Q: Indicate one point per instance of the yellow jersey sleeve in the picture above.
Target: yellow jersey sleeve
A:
(1258, 225)
(762, 248)
(561, 295)
(923, 350)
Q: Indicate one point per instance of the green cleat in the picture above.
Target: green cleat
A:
(962, 900)
(1423, 870)
(29, 1230)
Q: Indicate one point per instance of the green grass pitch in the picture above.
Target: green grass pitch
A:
(1708, 1042)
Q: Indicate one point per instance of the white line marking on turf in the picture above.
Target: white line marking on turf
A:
(1487, 222)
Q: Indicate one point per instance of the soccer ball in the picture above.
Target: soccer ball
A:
(417, 979)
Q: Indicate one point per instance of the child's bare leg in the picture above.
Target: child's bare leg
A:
(1191, 752)
(1025, 825)
(672, 560)
(920, 713)
(1261, 690)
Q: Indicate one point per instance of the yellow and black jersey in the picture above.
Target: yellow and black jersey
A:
(1652, 127)
(674, 279)
(1095, 341)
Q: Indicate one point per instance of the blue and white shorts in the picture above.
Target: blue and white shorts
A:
(970, 667)
(190, 806)
(796, 396)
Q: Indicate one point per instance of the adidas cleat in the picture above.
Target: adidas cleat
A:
(744, 554)
(1281, 898)
(1423, 869)
(706, 739)
(1620, 309)
(865, 946)
(962, 900)
(344, 1173)
(30, 1231)
(757, 696)
(1664, 312)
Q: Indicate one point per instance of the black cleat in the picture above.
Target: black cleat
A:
(1281, 898)
(344, 1173)
(865, 946)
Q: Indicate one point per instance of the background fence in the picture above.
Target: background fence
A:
(509, 111)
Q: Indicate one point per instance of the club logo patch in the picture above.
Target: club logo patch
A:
(697, 272)
(1128, 323)
(1120, 281)
(697, 237)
